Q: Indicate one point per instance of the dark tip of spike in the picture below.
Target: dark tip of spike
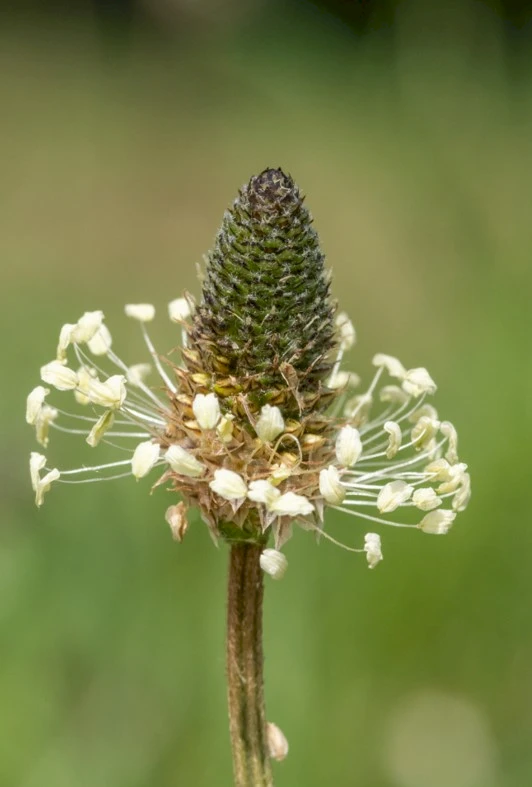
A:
(271, 186)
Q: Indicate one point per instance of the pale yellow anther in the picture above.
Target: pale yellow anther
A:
(393, 366)
(101, 426)
(346, 331)
(228, 485)
(137, 374)
(101, 342)
(34, 403)
(392, 495)
(348, 446)
(270, 423)
(60, 376)
(183, 462)
(425, 498)
(372, 548)
(179, 310)
(418, 381)
(273, 563)
(423, 432)
(144, 458)
(331, 487)
(291, 504)
(448, 431)
(110, 394)
(393, 430)
(437, 522)
(263, 491)
(206, 408)
(143, 312)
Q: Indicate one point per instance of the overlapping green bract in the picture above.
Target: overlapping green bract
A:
(265, 301)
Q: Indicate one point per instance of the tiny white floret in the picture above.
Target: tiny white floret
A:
(372, 548)
(392, 495)
(270, 423)
(331, 487)
(437, 522)
(183, 462)
(348, 446)
(291, 504)
(143, 312)
(228, 484)
(61, 377)
(262, 491)
(206, 408)
(144, 458)
(273, 563)
(224, 430)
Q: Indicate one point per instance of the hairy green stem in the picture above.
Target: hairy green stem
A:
(247, 723)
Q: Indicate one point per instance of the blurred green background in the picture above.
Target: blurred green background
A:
(122, 140)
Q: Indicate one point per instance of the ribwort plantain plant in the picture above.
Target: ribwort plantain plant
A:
(259, 427)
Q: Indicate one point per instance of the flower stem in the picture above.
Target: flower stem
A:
(245, 685)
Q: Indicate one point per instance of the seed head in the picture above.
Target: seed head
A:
(257, 425)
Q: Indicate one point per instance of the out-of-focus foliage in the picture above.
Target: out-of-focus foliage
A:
(116, 168)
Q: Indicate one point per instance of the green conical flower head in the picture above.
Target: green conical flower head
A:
(265, 307)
